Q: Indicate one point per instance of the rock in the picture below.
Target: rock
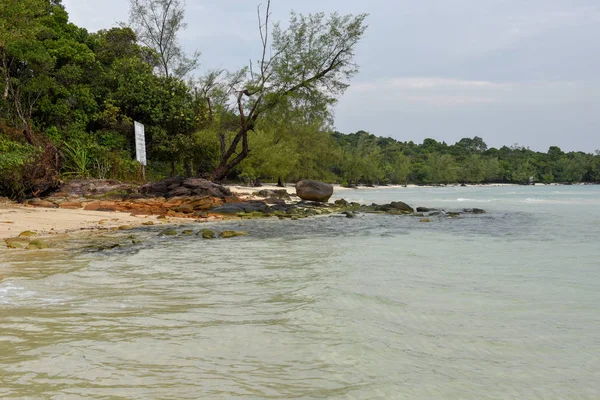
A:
(180, 191)
(184, 208)
(273, 194)
(424, 220)
(341, 202)
(230, 234)
(349, 214)
(125, 227)
(71, 205)
(41, 203)
(16, 243)
(148, 223)
(206, 203)
(100, 206)
(37, 244)
(245, 207)
(474, 210)
(207, 234)
(187, 232)
(27, 234)
(168, 232)
(399, 205)
(314, 191)
(426, 209)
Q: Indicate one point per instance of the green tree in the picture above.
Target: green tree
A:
(306, 66)
(157, 23)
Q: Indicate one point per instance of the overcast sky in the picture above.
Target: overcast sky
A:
(509, 71)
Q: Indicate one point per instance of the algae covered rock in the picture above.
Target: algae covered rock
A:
(16, 243)
(230, 234)
(168, 232)
(314, 190)
(207, 234)
(37, 244)
(27, 234)
(424, 220)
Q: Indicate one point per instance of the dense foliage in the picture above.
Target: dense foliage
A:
(69, 99)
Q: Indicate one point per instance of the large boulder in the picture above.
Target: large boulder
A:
(314, 191)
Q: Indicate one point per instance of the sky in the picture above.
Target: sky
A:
(523, 72)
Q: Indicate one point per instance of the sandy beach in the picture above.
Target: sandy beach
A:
(16, 218)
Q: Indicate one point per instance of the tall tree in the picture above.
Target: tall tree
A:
(306, 66)
(157, 23)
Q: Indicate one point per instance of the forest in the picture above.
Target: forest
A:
(70, 99)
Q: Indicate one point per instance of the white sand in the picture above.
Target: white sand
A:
(15, 219)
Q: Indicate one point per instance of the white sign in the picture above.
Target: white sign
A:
(140, 143)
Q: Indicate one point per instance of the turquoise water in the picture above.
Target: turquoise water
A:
(504, 305)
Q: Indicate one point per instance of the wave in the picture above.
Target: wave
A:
(534, 200)
(462, 200)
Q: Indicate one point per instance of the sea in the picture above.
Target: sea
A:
(501, 305)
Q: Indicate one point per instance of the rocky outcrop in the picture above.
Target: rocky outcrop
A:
(395, 207)
(314, 191)
(175, 187)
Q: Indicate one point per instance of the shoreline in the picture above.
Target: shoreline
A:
(50, 222)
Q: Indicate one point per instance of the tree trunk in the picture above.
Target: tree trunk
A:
(279, 183)
(172, 173)
(188, 169)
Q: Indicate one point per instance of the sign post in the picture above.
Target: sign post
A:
(140, 146)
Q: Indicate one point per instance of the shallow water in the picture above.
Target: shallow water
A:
(503, 305)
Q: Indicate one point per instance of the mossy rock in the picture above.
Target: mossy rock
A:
(187, 232)
(37, 244)
(207, 234)
(27, 234)
(424, 220)
(168, 232)
(148, 223)
(125, 227)
(230, 234)
(16, 243)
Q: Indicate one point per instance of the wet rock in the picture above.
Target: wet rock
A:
(27, 234)
(168, 232)
(187, 232)
(243, 207)
(341, 202)
(474, 211)
(148, 223)
(16, 243)
(349, 214)
(230, 234)
(37, 244)
(207, 234)
(314, 190)
(395, 207)
(125, 227)
(426, 209)
(424, 220)
(399, 205)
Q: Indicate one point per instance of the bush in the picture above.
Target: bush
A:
(25, 170)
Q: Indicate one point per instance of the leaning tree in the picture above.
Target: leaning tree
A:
(307, 65)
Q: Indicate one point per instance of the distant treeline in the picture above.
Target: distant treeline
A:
(68, 100)
(363, 158)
